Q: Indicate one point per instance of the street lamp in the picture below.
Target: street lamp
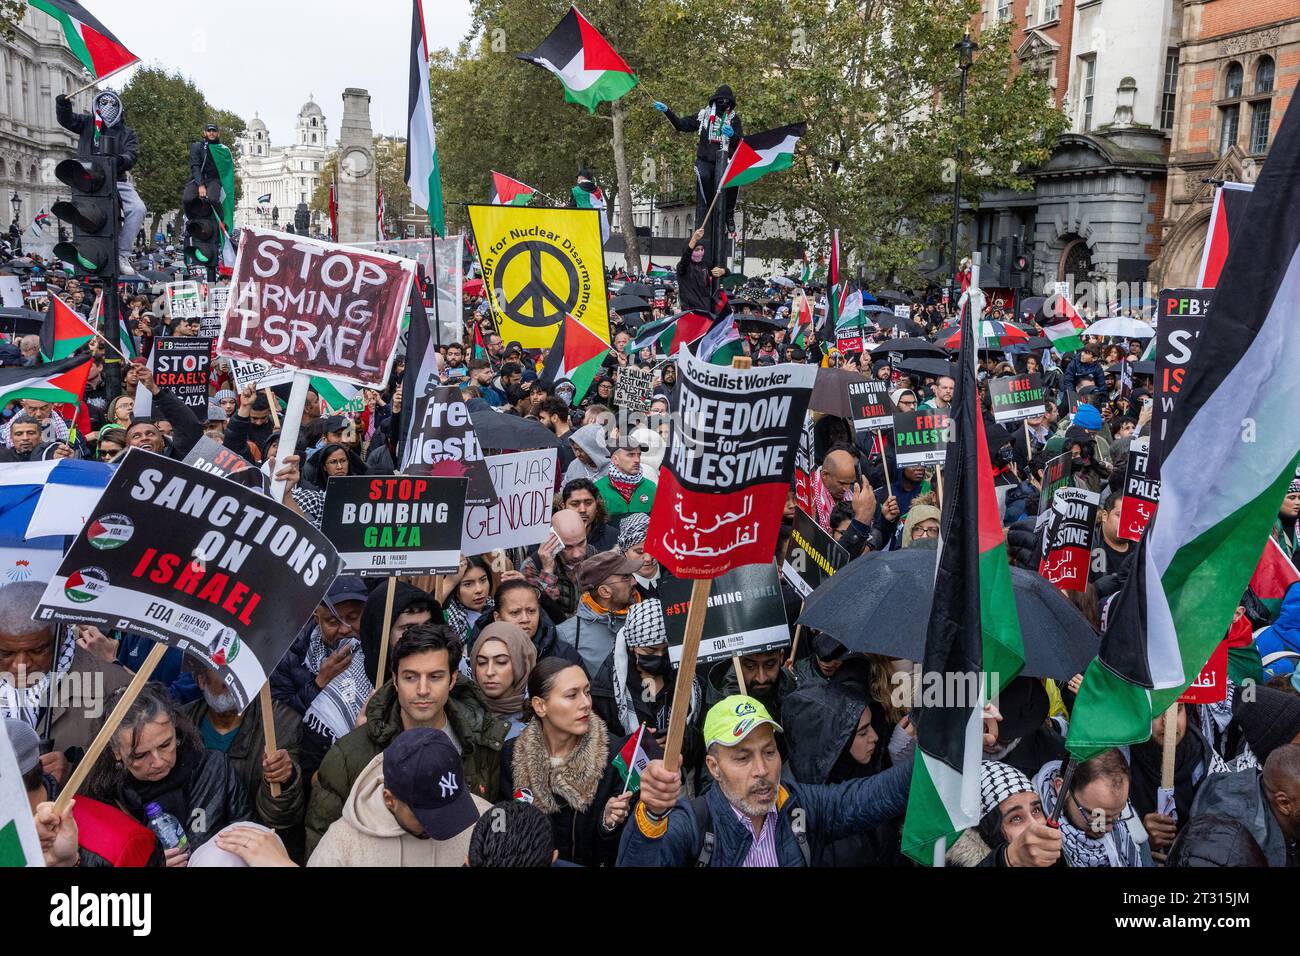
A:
(966, 55)
(17, 203)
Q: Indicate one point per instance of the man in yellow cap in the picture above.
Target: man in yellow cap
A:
(753, 816)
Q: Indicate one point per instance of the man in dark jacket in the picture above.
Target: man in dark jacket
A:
(1083, 364)
(720, 130)
(205, 177)
(250, 426)
(424, 692)
(756, 815)
(295, 682)
(697, 277)
(105, 133)
(186, 428)
(1267, 802)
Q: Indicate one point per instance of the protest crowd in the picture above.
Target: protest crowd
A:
(467, 568)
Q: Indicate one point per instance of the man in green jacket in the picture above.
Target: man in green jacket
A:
(623, 488)
(424, 692)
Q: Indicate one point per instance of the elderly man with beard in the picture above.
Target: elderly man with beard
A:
(240, 736)
(756, 815)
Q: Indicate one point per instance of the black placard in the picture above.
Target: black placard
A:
(813, 555)
(181, 365)
(746, 614)
(1017, 397)
(920, 437)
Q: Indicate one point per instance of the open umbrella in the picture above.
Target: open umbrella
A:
(157, 275)
(880, 604)
(472, 287)
(21, 321)
(1121, 327)
(782, 281)
(830, 392)
(637, 288)
(993, 335)
(733, 281)
(1032, 304)
(629, 303)
(893, 295)
(928, 366)
(500, 431)
(873, 308)
(911, 347)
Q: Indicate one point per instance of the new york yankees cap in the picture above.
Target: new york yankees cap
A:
(423, 769)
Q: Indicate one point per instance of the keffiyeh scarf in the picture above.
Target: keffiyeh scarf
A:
(25, 704)
(623, 482)
(334, 711)
(1116, 848)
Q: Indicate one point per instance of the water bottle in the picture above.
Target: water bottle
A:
(167, 828)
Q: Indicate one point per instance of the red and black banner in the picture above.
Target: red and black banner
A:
(1067, 539)
(1181, 316)
(723, 486)
(1141, 492)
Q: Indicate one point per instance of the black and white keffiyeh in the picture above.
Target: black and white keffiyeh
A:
(334, 711)
(1117, 848)
(998, 781)
(26, 704)
(632, 531)
(643, 627)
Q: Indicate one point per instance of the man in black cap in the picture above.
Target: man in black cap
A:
(205, 177)
(411, 806)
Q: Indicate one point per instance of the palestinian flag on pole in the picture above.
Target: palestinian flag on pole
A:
(1219, 495)
(590, 69)
(59, 383)
(669, 334)
(64, 331)
(835, 296)
(593, 198)
(1066, 332)
(762, 153)
(480, 347)
(1273, 575)
(1230, 201)
(422, 172)
(658, 271)
(631, 760)
(721, 343)
(805, 276)
(973, 638)
(91, 42)
(509, 192)
(803, 321)
(336, 396)
(576, 355)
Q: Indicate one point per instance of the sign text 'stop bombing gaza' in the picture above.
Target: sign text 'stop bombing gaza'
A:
(304, 304)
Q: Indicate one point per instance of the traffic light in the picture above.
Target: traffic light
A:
(1022, 268)
(202, 241)
(92, 212)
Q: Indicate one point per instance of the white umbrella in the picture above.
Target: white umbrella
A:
(1121, 327)
(782, 281)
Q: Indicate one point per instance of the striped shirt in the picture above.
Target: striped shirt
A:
(763, 850)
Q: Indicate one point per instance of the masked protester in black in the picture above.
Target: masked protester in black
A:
(719, 127)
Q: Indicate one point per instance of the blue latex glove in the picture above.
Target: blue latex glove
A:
(727, 130)
(661, 107)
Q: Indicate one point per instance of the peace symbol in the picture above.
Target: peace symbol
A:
(536, 294)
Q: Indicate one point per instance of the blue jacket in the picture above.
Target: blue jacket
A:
(1283, 638)
(831, 812)
(1077, 370)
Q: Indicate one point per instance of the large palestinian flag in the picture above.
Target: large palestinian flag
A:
(973, 638)
(64, 331)
(762, 153)
(1219, 495)
(590, 69)
(1230, 201)
(509, 192)
(1066, 332)
(422, 172)
(91, 42)
(576, 355)
(667, 335)
(57, 383)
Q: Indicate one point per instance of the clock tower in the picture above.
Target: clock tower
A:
(357, 176)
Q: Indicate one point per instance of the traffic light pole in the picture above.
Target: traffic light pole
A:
(112, 335)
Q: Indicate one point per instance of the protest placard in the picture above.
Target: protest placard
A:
(871, 406)
(38, 288)
(525, 486)
(395, 525)
(1067, 546)
(442, 443)
(903, 311)
(11, 292)
(186, 300)
(813, 557)
(745, 614)
(1181, 316)
(723, 486)
(256, 373)
(1017, 397)
(315, 306)
(632, 391)
(196, 562)
(849, 340)
(1141, 491)
(181, 364)
(216, 459)
(1056, 475)
(921, 437)
(1211, 684)
(803, 465)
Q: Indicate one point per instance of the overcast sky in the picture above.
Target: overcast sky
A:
(268, 56)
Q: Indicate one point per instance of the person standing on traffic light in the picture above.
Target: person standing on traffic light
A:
(105, 133)
(720, 129)
(205, 174)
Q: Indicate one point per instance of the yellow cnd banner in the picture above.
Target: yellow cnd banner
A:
(539, 265)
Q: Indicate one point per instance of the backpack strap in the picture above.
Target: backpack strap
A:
(704, 827)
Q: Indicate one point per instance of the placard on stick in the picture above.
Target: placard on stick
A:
(872, 409)
(1017, 397)
(395, 525)
(1067, 548)
(525, 486)
(633, 391)
(181, 365)
(920, 437)
(813, 556)
(1141, 491)
(746, 614)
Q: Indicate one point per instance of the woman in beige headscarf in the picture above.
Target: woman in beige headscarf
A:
(923, 519)
(502, 658)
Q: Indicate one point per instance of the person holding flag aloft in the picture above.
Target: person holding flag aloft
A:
(720, 129)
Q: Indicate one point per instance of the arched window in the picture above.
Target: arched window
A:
(313, 138)
(1264, 71)
(1232, 81)
(31, 172)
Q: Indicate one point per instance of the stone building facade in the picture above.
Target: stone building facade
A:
(288, 174)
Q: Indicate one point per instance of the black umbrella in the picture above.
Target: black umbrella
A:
(156, 275)
(1032, 304)
(911, 347)
(629, 303)
(877, 308)
(1039, 342)
(892, 295)
(830, 392)
(758, 323)
(880, 604)
(21, 321)
(928, 366)
(499, 430)
(637, 288)
(1137, 368)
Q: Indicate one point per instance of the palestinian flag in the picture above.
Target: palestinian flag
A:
(668, 335)
(1229, 210)
(264, 199)
(835, 295)
(1219, 495)
(58, 383)
(590, 197)
(1273, 575)
(721, 343)
(805, 275)
(509, 192)
(974, 633)
(63, 332)
(660, 272)
(590, 69)
(761, 154)
(39, 223)
(336, 397)
(422, 172)
(480, 347)
(1066, 332)
(803, 321)
(91, 42)
(1150, 354)
(631, 760)
(576, 355)
(850, 310)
